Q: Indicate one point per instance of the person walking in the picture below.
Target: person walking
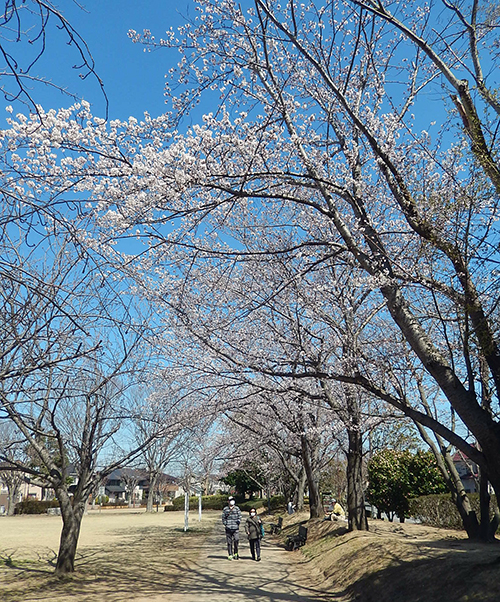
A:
(254, 530)
(231, 518)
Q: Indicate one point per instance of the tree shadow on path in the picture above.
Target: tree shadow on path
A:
(277, 578)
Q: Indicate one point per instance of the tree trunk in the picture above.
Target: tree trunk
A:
(461, 500)
(315, 505)
(356, 511)
(153, 486)
(484, 506)
(13, 492)
(72, 514)
(451, 477)
(13, 482)
(299, 494)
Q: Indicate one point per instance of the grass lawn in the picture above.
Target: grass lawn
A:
(120, 552)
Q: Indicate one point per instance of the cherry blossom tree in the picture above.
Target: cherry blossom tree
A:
(72, 344)
(335, 140)
(275, 451)
(321, 149)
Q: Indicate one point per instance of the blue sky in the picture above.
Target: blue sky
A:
(133, 79)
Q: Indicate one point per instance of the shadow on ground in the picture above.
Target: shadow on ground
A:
(158, 563)
(446, 578)
(146, 560)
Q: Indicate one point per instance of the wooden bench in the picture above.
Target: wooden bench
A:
(294, 542)
(275, 528)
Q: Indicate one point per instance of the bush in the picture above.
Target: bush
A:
(395, 477)
(276, 502)
(440, 511)
(208, 502)
(248, 504)
(35, 506)
(217, 502)
(118, 503)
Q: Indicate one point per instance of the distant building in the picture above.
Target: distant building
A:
(26, 490)
(118, 484)
(467, 470)
(116, 487)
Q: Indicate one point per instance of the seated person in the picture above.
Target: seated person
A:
(338, 511)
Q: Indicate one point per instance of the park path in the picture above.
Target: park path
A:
(280, 576)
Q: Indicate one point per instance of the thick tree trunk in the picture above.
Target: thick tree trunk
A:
(451, 477)
(13, 492)
(72, 514)
(301, 487)
(461, 500)
(484, 506)
(11, 505)
(315, 505)
(356, 511)
(477, 419)
(153, 486)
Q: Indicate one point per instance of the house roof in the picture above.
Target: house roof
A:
(140, 473)
(115, 489)
(127, 472)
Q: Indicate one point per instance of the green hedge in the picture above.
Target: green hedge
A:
(248, 504)
(115, 503)
(277, 502)
(35, 506)
(208, 502)
(217, 502)
(440, 511)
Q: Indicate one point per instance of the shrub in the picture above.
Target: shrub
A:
(217, 502)
(208, 502)
(116, 503)
(212, 502)
(248, 504)
(395, 477)
(35, 506)
(440, 511)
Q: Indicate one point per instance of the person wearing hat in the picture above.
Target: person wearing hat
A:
(231, 518)
(254, 531)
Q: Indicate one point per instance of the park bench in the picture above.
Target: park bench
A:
(275, 528)
(294, 542)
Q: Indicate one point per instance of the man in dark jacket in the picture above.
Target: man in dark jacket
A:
(231, 518)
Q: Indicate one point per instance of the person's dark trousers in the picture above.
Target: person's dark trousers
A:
(232, 539)
(255, 548)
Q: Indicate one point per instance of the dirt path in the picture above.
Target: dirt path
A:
(280, 576)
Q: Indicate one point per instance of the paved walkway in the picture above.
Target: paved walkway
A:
(280, 576)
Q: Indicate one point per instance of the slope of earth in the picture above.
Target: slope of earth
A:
(394, 561)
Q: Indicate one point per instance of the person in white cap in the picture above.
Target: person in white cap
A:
(231, 518)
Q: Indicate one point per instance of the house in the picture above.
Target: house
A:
(21, 488)
(131, 485)
(467, 470)
(125, 485)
